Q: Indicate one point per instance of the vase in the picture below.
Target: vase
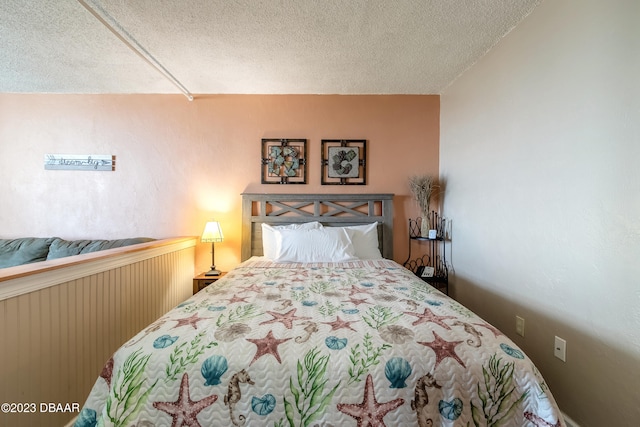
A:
(424, 225)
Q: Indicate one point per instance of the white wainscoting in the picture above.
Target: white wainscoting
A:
(57, 335)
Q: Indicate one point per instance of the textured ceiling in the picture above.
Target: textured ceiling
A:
(249, 46)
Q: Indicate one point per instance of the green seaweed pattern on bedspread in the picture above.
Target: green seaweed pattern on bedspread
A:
(128, 391)
(308, 390)
(496, 394)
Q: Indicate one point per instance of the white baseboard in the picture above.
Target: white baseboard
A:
(569, 421)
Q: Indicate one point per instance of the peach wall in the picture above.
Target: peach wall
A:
(179, 163)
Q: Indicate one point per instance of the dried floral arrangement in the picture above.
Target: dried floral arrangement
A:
(422, 187)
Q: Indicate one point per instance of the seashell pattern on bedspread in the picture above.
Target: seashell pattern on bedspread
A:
(363, 343)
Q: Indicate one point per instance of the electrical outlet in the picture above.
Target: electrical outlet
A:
(560, 349)
(520, 326)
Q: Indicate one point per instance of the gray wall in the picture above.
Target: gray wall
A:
(540, 143)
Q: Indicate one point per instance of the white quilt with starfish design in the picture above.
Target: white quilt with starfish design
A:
(363, 343)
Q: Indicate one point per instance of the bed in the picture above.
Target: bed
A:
(351, 339)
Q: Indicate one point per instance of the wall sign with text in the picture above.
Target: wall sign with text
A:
(80, 162)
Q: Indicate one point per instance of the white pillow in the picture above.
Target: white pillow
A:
(269, 248)
(365, 240)
(314, 245)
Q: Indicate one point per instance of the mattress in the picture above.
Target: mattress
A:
(362, 343)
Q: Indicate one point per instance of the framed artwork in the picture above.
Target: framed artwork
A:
(344, 161)
(284, 161)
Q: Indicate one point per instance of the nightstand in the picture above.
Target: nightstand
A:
(201, 281)
(433, 258)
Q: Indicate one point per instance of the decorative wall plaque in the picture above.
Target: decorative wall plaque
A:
(80, 162)
(344, 161)
(284, 161)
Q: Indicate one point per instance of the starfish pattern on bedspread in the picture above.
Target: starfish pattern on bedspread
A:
(236, 298)
(286, 319)
(247, 274)
(428, 316)
(357, 301)
(254, 288)
(443, 349)
(540, 422)
(370, 412)
(341, 324)
(356, 290)
(107, 371)
(386, 273)
(184, 411)
(191, 320)
(267, 345)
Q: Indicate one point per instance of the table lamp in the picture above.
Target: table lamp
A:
(212, 233)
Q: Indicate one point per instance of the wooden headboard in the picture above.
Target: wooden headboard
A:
(328, 209)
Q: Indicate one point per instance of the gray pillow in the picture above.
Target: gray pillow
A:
(24, 250)
(100, 245)
(62, 248)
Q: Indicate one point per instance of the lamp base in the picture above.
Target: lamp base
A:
(212, 272)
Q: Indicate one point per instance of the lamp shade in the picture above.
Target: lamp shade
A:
(212, 233)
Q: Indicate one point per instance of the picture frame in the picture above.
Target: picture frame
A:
(284, 161)
(344, 162)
